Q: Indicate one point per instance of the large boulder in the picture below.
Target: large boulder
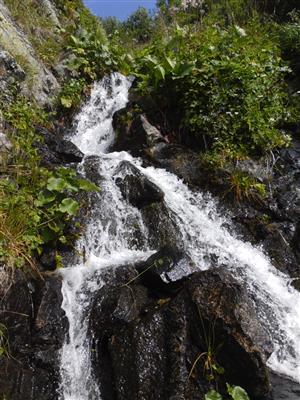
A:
(16, 311)
(34, 324)
(239, 340)
(134, 132)
(56, 150)
(162, 230)
(147, 336)
(136, 188)
(19, 380)
(179, 160)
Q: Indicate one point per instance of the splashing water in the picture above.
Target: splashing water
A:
(111, 241)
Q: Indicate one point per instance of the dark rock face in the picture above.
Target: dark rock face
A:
(283, 388)
(179, 160)
(272, 222)
(35, 326)
(91, 169)
(136, 188)
(148, 333)
(163, 271)
(56, 150)
(245, 345)
(11, 74)
(134, 132)
(19, 382)
(162, 230)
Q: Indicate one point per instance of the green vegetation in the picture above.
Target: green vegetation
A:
(228, 84)
(211, 368)
(219, 67)
(235, 393)
(37, 205)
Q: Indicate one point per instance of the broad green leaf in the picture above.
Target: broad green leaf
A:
(185, 69)
(170, 63)
(151, 59)
(213, 395)
(45, 197)
(72, 185)
(69, 206)
(66, 172)
(159, 72)
(237, 393)
(87, 185)
(56, 184)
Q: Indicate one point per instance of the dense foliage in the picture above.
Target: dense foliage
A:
(216, 65)
(228, 82)
(37, 204)
(217, 72)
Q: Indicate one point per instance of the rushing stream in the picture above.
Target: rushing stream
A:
(110, 242)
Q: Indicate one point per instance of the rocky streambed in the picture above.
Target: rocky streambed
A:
(162, 298)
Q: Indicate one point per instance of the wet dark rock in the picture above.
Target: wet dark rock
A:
(162, 230)
(296, 284)
(68, 151)
(16, 309)
(283, 388)
(92, 168)
(56, 150)
(245, 346)
(30, 311)
(179, 160)
(134, 132)
(19, 381)
(50, 323)
(290, 157)
(147, 338)
(164, 270)
(136, 188)
(47, 260)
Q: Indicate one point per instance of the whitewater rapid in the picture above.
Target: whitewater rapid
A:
(109, 241)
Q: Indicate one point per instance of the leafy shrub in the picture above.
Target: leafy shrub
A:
(235, 393)
(92, 57)
(36, 205)
(71, 93)
(245, 186)
(289, 38)
(229, 84)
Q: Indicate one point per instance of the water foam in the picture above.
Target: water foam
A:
(111, 241)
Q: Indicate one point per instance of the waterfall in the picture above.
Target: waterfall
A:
(110, 241)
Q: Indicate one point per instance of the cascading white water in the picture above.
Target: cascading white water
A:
(109, 241)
